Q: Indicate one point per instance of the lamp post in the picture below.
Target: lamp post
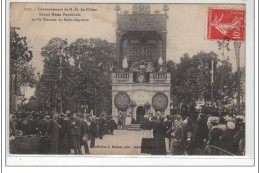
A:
(212, 80)
(165, 8)
(117, 9)
(61, 84)
(237, 45)
(62, 55)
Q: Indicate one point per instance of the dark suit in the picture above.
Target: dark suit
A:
(64, 145)
(75, 126)
(159, 133)
(44, 143)
(101, 124)
(93, 133)
(177, 141)
(227, 139)
(84, 131)
(53, 130)
(214, 135)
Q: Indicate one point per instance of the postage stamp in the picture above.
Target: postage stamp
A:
(226, 24)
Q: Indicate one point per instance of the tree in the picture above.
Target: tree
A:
(76, 75)
(54, 85)
(93, 63)
(22, 74)
(191, 79)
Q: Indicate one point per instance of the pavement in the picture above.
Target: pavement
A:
(122, 142)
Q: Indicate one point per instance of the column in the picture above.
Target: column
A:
(118, 39)
(164, 44)
(119, 47)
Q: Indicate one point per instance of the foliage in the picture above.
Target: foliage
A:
(22, 74)
(76, 75)
(20, 57)
(55, 83)
(93, 63)
(191, 79)
(79, 74)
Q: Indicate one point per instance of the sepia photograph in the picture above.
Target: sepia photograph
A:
(127, 79)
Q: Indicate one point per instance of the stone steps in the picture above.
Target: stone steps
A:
(134, 127)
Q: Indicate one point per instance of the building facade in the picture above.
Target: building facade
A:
(140, 82)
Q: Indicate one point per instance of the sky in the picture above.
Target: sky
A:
(186, 28)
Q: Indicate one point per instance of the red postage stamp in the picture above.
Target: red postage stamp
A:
(226, 24)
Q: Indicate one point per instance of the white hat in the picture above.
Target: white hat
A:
(213, 120)
(231, 125)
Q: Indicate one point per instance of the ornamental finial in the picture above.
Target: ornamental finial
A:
(117, 8)
(165, 8)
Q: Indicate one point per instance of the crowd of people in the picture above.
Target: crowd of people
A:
(61, 133)
(196, 134)
(201, 134)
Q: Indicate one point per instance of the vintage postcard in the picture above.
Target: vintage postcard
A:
(127, 79)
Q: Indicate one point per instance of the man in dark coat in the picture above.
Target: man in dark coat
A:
(239, 137)
(169, 125)
(101, 124)
(227, 138)
(64, 145)
(53, 130)
(93, 132)
(84, 137)
(177, 137)
(200, 134)
(214, 134)
(25, 128)
(112, 126)
(44, 144)
(159, 133)
(75, 126)
(32, 124)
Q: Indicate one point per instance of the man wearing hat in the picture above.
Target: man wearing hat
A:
(93, 131)
(75, 126)
(169, 125)
(214, 134)
(53, 129)
(64, 145)
(101, 124)
(112, 126)
(177, 136)
(199, 134)
(226, 138)
(42, 132)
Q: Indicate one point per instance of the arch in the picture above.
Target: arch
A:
(140, 112)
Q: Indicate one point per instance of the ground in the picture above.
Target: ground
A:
(123, 142)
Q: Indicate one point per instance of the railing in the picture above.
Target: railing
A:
(127, 77)
(122, 77)
(160, 77)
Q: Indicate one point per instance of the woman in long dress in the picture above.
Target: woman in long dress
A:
(146, 145)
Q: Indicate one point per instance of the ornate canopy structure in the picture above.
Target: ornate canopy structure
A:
(141, 36)
(140, 75)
